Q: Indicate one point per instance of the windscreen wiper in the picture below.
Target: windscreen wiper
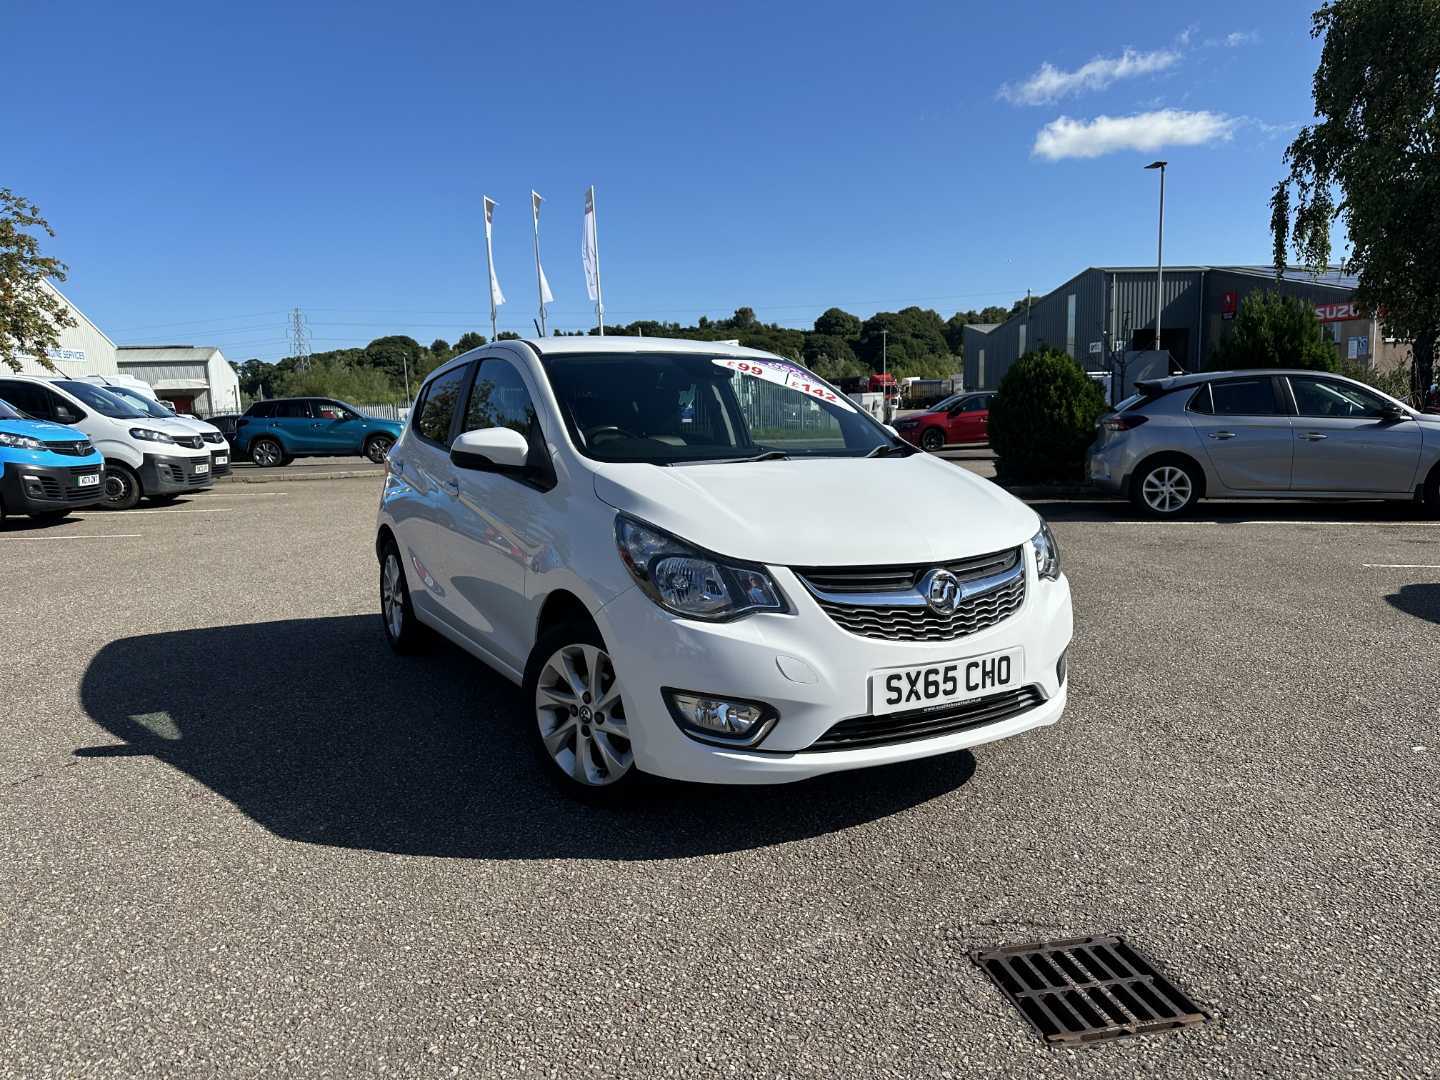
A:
(891, 449)
(768, 455)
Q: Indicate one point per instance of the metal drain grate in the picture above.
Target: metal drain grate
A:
(1087, 989)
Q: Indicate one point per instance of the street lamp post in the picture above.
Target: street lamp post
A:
(1159, 253)
(885, 376)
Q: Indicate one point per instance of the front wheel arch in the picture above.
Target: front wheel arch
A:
(1154, 461)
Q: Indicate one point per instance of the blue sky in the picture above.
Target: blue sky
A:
(208, 167)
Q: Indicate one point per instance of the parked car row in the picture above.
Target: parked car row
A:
(132, 447)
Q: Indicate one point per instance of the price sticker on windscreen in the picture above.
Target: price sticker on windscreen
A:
(786, 375)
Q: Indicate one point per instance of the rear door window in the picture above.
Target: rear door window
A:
(292, 410)
(1245, 397)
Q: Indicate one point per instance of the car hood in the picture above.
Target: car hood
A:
(43, 430)
(823, 511)
(194, 423)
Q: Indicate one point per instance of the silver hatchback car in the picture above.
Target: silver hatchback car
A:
(1271, 434)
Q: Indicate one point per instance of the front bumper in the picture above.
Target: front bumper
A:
(163, 474)
(814, 674)
(219, 460)
(28, 489)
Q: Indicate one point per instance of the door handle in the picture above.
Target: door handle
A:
(1222, 434)
(1314, 436)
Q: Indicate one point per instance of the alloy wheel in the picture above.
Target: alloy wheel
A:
(581, 714)
(1167, 490)
(932, 440)
(392, 596)
(265, 454)
(377, 449)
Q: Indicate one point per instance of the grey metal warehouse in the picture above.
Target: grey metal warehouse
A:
(1106, 311)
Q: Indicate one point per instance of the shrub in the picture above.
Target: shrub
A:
(1273, 330)
(1042, 420)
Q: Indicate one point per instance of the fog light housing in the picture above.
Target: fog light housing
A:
(1060, 667)
(718, 719)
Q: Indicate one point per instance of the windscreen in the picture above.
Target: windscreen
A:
(671, 410)
(102, 401)
(9, 412)
(141, 402)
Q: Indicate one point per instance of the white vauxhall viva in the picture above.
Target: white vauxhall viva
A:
(703, 562)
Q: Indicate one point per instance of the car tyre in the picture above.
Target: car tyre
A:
(1166, 487)
(578, 724)
(122, 487)
(403, 630)
(1430, 495)
(267, 453)
(932, 440)
(377, 447)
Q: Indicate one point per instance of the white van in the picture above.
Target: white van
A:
(145, 456)
(140, 394)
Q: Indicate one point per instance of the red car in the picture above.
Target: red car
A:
(963, 418)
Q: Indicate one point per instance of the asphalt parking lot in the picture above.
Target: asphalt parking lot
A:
(239, 838)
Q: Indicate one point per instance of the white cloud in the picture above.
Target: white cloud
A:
(1149, 131)
(1051, 83)
(1240, 37)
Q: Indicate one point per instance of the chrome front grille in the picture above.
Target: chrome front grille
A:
(885, 602)
(80, 448)
(212, 437)
(192, 442)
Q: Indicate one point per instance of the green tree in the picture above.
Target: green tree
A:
(1375, 144)
(396, 355)
(31, 316)
(440, 347)
(469, 340)
(831, 357)
(911, 338)
(840, 324)
(507, 335)
(256, 377)
(1272, 330)
(1043, 417)
(349, 382)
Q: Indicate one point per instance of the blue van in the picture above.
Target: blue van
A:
(46, 470)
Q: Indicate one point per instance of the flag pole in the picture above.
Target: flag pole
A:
(599, 292)
(490, 262)
(535, 201)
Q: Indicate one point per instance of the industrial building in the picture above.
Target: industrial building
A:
(1106, 312)
(194, 379)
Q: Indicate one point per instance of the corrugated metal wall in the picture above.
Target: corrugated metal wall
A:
(84, 350)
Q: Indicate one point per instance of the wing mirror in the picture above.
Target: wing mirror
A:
(490, 448)
(1393, 412)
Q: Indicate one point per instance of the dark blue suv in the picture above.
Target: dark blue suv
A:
(277, 431)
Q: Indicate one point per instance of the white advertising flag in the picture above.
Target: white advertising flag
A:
(590, 256)
(496, 296)
(546, 296)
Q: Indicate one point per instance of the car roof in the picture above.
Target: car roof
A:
(559, 346)
(1177, 382)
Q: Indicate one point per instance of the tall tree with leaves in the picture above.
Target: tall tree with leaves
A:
(1372, 161)
(31, 316)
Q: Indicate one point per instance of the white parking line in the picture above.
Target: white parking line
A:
(197, 510)
(76, 536)
(1400, 566)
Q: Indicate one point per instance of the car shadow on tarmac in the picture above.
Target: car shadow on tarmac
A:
(1420, 600)
(314, 729)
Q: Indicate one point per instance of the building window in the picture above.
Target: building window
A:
(980, 375)
(1070, 325)
(1023, 328)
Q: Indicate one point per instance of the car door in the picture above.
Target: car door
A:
(292, 422)
(422, 464)
(1346, 440)
(1244, 426)
(334, 428)
(496, 524)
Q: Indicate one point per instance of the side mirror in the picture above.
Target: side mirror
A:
(891, 429)
(1393, 412)
(490, 448)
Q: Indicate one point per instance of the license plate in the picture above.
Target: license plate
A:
(203, 467)
(88, 481)
(945, 682)
(222, 460)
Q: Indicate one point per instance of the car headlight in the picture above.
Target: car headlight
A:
(687, 581)
(20, 442)
(150, 435)
(1047, 552)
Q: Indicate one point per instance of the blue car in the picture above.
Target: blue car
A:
(46, 470)
(277, 431)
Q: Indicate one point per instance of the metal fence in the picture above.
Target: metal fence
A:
(375, 412)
